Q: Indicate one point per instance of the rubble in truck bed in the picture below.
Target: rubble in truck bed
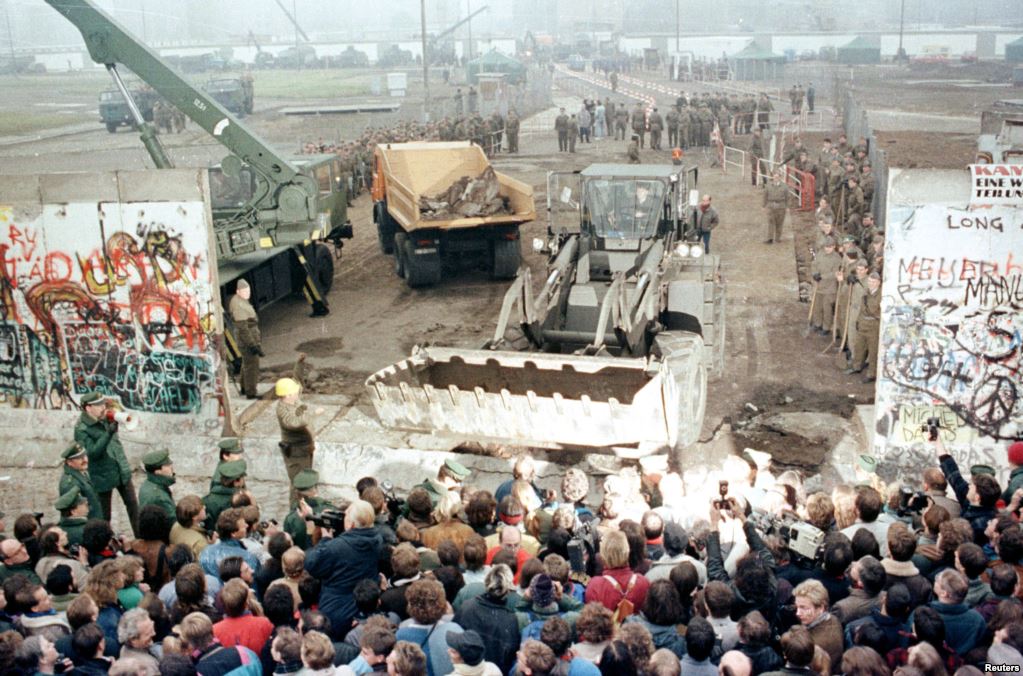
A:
(466, 198)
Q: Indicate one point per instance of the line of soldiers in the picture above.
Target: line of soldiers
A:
(357, 154)
(168, 118)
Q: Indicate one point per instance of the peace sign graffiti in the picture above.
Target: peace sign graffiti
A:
(993, 401)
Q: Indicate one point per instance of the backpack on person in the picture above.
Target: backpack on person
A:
(625, 607)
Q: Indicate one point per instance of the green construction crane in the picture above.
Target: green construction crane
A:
(274, 204)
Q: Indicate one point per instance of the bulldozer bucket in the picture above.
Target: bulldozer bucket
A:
(535, 399)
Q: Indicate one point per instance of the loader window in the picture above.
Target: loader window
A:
(230, 191)
(624, 209)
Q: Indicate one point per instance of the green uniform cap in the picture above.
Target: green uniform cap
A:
(75, 450)
(457, 468)
(982, 469)
(156, 459)
(68, 500)
(849, 238)
(91, 398)
(306, 479)
(867, 463)
(234, 469)
(231, 445)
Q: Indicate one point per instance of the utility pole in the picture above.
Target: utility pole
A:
(294, 14)
(901, 54)
(10, 38)
(678, 35)
(145, 36)
(468, 13)
(426, 60)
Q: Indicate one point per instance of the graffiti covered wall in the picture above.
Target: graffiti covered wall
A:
(952, 324)
(106, 283)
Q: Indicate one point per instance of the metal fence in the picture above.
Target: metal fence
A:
(856, 124)
(528, 97)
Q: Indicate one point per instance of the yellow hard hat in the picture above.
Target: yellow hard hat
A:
(286, 386)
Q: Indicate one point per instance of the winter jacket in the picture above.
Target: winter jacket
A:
(108, 466)
(977, 516)
(896, 632)
(212, 556)
(664, 636)
(606, 593)
(858, 604)
(216, 660)
(826, 631)
(964, 627)
(340, 563)
(904, 572)
(433, 640)
(94, 667)
(763, 658)
(496, 623)
(108, 618)
(768, 606)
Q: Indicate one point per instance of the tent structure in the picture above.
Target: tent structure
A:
(754, 62)
(496, 62)
(859, 50)
(1014, 51)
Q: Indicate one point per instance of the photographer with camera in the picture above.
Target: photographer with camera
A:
(868, 508)
(977, 498)
(58, 552)
(300, 529)
(341, 562)
(109, 470)
(754, 584)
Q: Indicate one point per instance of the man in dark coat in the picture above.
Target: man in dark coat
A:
(76, 475)
(341, 562)
(96, 431)
(490, 616)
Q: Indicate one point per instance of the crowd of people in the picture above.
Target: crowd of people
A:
(867, 580)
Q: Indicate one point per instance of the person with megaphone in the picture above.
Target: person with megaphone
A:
(109, 470)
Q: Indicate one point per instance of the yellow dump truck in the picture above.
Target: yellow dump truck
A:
(441, 206)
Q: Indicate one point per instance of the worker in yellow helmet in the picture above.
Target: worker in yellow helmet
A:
(297, 444)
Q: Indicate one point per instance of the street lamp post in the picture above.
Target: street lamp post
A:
(426, 61)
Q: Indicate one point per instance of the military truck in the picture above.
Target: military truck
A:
(234, 93)
(613, 353)
(1001, 133)
(273, 215)
(114, 112)
(441, 205)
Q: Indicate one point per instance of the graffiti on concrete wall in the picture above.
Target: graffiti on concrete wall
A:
(952, 333)
(115, 297)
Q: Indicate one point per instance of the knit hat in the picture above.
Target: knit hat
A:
(1015, 453)
(541, 589)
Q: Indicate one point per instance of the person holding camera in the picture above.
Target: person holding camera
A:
(341, 562)
(754, 583)
(300, 529)
(978, 498)
(109, 470)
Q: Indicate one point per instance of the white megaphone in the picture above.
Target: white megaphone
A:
(126, 420)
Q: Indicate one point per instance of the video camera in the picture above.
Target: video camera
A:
(932, 426)
(395, 505)
(798, 536)
(582, 547)
(723, 502)
(332, 519)
(911, 502)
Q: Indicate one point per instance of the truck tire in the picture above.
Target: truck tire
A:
(323, 267)
(400, 238)
(685, 386)
(507, 258)
(420, 271)
(112, 127)
(385, 228)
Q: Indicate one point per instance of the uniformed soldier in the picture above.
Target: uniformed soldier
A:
(825, 267)
(756, 153)
(868, 184)
(232, 480)
(230, 449)
(96, 431)
(633, 151)
(573, 132)
(792, 154)
(450, 476)
(473, 100)
(561, 126)
(853, 203)
(776, 199)
(656, 127)
(306, 490)
(74, 514)
(76, 475)
(639, 123)
(671, 119)
(834, 189)
(511, 128)
(614, 81)
(156, 489)
(621, 121)
(868, 324)
(763, 112)
(459, 103)
(293, 417)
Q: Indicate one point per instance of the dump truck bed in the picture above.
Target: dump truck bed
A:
(410, 171)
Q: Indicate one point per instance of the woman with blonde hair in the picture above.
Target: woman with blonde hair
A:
(449, 525)
(844, 499)
(105, 580)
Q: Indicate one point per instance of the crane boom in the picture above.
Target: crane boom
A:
(285, 201)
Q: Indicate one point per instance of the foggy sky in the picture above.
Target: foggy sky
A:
(33, 23)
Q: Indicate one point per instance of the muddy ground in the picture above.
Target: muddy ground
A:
(376, 319)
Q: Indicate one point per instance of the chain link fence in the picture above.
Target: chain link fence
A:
(856, 124)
